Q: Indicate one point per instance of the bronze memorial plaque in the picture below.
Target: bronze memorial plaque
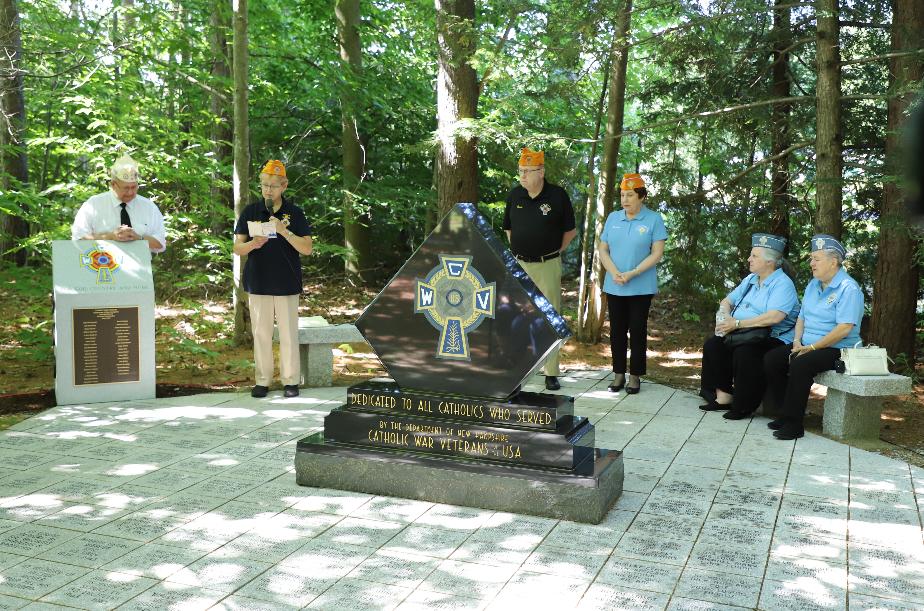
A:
(106, 345)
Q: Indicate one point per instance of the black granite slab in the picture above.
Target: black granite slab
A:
(567, 447)
(525, 409)
(584, 495)
(461, 316)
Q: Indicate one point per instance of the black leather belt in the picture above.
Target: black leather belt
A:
(554, 255)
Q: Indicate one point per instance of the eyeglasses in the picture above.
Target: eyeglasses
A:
(522, 172)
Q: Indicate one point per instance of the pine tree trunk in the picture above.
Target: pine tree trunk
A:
(897, 278)
(222, 196)
(356, 221)
(457, 104)
(828, 134)
(586, 284)
(780, 135)
(591, 314)
(241, 178)
(13, 227)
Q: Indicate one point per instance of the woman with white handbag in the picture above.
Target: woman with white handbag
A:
(832, 308)
(758, 315)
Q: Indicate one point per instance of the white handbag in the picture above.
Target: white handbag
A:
(865, 361)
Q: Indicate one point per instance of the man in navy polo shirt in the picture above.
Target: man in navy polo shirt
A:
(273, 277)
(539, 221)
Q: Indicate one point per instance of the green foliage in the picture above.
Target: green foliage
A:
(94, 91)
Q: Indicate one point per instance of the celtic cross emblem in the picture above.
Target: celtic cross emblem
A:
(455, 299)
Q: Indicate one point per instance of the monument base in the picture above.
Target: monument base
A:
(546, 492)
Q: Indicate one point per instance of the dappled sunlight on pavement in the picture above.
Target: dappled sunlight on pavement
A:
(191, 503)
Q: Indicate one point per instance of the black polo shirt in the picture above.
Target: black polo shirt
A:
(276, 268)
(537, 225)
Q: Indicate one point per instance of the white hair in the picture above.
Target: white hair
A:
(834, 254)
(768, 254)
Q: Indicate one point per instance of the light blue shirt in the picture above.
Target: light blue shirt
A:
(630, 243)
(777, 292)
(822, 310)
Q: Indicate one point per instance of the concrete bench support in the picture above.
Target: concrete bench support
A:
(316, 349)
(316, 341)
(854, 403)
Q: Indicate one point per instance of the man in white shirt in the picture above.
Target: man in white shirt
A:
(121, 214)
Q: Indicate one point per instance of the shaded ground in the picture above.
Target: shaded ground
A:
(195, 352)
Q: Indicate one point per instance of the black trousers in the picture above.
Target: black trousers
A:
(790, 380)
(629, 317)
(739, 372)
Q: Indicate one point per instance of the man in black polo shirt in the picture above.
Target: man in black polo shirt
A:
(539, 222)
(273, 277)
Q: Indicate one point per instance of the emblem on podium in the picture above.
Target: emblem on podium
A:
(102, 262)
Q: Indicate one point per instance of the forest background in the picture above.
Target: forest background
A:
(743, 115)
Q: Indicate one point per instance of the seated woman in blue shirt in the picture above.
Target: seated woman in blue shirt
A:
(631, 245)
(733, 377)
(832, 309)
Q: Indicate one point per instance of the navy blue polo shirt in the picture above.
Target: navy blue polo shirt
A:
(276, 268)
(537, 224)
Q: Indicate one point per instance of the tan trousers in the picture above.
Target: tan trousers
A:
(547, 276)
(284, 308)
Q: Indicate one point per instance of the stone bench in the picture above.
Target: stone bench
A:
(316, 341)
(853, 406)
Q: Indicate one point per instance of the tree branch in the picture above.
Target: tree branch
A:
(876, 58)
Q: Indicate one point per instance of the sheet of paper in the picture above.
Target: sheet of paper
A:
(256, 228)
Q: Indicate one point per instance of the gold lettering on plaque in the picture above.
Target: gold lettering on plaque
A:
(530, 416)
(387, 437)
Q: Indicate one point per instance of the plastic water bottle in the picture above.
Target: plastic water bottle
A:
(720, 317)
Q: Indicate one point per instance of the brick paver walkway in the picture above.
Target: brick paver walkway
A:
(191, 503)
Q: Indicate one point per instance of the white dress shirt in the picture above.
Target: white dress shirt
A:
(102, 213)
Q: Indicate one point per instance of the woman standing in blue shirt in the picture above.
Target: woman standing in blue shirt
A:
(631, 244)
(733, 378)
(832, 309)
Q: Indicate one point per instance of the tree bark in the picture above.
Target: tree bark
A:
(13, 227)
(592, 312)
(780, 134)
(457, 105)
(356, 221)
(828, 134)
(897, 277)
(586, 284)
(222, 195)
(241, 177)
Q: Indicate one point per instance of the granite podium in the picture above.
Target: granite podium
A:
(460, 328)
(104, 321)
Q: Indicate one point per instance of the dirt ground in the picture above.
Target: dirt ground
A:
(195, 353)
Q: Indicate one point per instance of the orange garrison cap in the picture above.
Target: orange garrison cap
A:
(274, 167)
(631, 181)
(528, 157)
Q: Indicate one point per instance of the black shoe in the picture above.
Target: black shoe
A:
(259, 391)
(787, 434)
(633, 390)
(290, 390)
(736, 415)
(712, 406)
(551, 383)
(616, 387)
(775, 425)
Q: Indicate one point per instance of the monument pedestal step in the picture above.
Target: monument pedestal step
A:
(552, 493)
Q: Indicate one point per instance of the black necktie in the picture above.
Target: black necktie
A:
(125, 218)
